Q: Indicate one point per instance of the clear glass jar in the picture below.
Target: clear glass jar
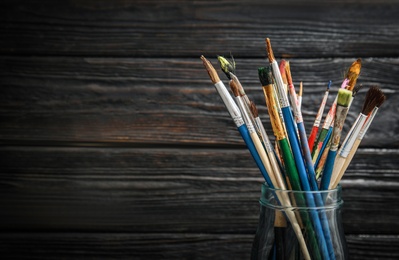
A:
(289, 229)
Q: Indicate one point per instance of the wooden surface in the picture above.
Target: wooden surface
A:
(115, 144)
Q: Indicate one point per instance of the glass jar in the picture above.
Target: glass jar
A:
(289, 229)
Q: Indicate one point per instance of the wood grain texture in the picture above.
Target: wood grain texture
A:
(185, 28)
(169, 190)
(133, 101)
(115, 145)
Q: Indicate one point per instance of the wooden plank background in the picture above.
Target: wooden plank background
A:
(115, 145)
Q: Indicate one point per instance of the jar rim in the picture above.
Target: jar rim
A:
(331, 199)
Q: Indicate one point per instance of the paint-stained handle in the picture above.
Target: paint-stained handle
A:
(312, 137)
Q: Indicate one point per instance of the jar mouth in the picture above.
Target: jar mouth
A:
(300, 200)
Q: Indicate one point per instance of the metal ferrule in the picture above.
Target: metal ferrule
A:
(351, 136)
(282, 94)
(245, 116)
(265, 138)
(228, 101)
(367, 124)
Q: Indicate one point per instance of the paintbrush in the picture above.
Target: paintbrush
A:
(316, 124)
(374, 99)
(308, 159)
(343, 99)
(325, 145)
(235, 114)
(269, 149)
(251, 129)
(266, 79)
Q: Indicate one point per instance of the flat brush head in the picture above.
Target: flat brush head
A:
(265, 75)
(234, 88)
(373, 97)
(227, 66)
(254, 110)
(211, 70)
(344, 97)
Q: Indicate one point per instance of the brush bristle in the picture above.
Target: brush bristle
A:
(234, 88)
(210, 69)
(344, 97)
(288, 72)
(381, 100)
(373, 97)
(254, 110)
(269, 49)
(227, 66)
(265, 75)
(356, 89)
(282, 68)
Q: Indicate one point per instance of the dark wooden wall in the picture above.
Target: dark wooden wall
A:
(115, 145)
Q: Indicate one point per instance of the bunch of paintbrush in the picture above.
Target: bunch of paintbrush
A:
(298, 161)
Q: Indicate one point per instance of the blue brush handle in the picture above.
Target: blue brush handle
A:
(328, 169)
(310, 199)
(251, 147)
(296, 151)
(313, 184)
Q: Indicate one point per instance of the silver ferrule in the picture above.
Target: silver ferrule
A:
(245, 116)
(367, 124)
(281, 92)
(265, 138)
(228, 101)
(352, 135)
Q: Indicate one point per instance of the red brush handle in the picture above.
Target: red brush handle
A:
(312, 137)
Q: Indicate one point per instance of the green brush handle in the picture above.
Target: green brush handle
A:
(293, 176)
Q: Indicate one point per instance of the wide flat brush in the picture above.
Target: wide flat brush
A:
(380, 99)
(235, 114)
(343, 100)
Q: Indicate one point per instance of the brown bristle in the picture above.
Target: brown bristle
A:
(356, 89)
(270, 54)
(210, 69)
(238, 84)
(373, 97)
(381, 100)
(254, 110)
(288, 73)
(234, 88)
(282, 68)
(353, 73)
